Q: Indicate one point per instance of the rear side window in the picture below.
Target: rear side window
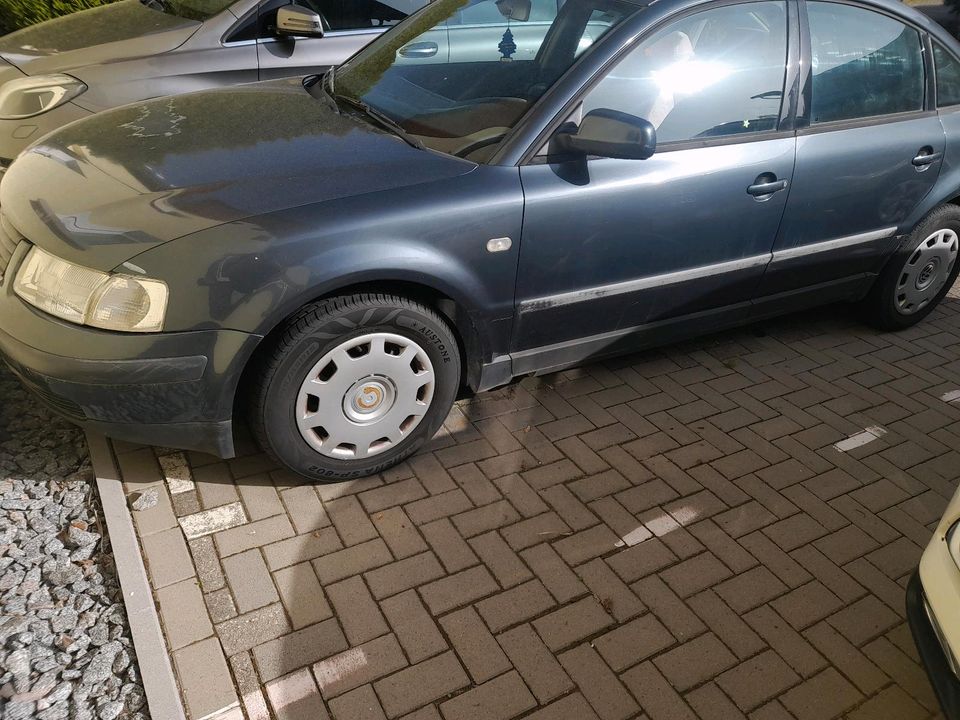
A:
(948, 76)
(864, 64)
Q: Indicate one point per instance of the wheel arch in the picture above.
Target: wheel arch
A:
(945, 192)
(459, 316)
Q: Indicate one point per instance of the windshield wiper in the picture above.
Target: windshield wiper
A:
(160, 5)
(381, 119)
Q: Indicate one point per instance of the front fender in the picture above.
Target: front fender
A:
(253, 274)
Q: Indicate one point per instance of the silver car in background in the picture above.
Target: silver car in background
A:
(66, 69)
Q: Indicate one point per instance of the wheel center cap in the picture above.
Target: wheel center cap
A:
(926, 275)
(369, 399)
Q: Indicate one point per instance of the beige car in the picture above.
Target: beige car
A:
(933, 608)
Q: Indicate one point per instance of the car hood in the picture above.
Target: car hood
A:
(104, 34)
(104, 189)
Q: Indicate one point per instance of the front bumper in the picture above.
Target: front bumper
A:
(170, 389)
(945, 683)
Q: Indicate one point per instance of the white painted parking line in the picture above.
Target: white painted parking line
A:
(860, 439)
(951, 397)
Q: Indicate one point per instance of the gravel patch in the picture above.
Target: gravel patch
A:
(65, 648)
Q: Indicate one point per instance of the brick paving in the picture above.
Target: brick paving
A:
(667, 536)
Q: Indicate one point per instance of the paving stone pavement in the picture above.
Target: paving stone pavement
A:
(667, 536)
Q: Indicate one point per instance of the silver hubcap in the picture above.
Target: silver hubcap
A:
(365, 396)
(927, 271)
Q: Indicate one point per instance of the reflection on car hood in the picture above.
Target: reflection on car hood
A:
(106, 188)
(105, 34)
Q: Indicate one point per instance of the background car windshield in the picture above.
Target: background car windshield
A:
(459, 74)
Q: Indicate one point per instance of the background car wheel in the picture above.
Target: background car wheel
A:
(354, 385)
(919, 275)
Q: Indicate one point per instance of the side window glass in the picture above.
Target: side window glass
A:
(600, 21)
(715, 73)
(948, 76)
(864, 64)
(247, 30)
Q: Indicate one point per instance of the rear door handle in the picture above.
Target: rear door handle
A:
(419, 50)
(926, 157)
(767, 188)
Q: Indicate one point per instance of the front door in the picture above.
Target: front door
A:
(612, 248)
(870, 155)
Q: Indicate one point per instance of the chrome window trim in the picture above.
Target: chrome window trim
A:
(546, 302)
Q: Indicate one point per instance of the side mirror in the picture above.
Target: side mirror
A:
(609, 133)
(295, 20)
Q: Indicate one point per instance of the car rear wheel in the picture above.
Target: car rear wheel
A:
(918, 277)
(354, 385)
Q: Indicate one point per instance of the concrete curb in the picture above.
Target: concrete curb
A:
(159, 684)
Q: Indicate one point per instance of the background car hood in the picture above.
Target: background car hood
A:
(8, 72)
(106, 188)
(104, 34)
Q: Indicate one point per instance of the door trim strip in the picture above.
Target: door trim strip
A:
(548, 302)
(836, 244)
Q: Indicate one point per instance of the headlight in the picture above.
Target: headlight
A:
(31, 96)
(90, 297)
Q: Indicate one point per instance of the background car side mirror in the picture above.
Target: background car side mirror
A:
(609, 133)
(294, 20)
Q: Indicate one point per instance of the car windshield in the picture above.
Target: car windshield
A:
(459, 74)
(189, 9)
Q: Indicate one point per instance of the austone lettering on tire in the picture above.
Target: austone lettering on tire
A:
(419, 327)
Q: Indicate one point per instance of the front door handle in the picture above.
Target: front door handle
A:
(766, 187)
(419, 50)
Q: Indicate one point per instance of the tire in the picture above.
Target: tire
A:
(919, 275)
(353, 385)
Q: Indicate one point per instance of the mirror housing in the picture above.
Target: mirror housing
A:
(518, 10)
(295, 20)
(609, 133)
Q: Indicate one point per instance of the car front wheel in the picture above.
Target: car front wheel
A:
(354, 385)
(918, 277)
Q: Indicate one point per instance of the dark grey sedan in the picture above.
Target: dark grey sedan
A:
(339, 258)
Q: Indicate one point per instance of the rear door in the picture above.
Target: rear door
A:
(871, 151)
